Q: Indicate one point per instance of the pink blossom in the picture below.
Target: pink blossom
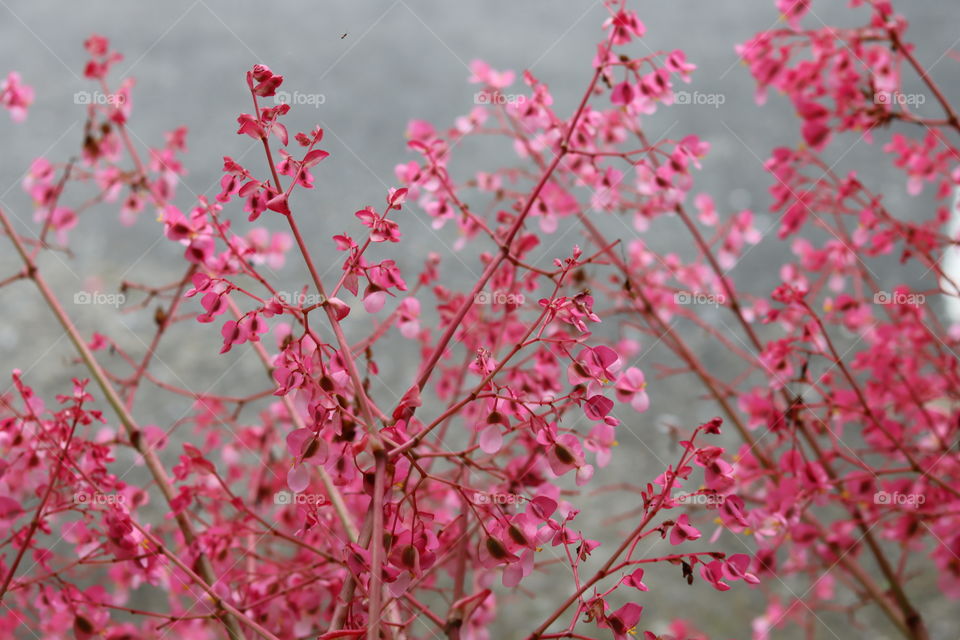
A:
(682, 530)
(631, 387)
(15, 96)
(484, 74)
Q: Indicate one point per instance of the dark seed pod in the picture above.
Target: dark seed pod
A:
(82, 625)
(312, 448)
(496, 549)
(349, 430)
(563, 454)
(409, 556)
(517, 535)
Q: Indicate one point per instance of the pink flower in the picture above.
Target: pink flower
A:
(267, 82)
(381, 228)
(735, 568)
(793, 10)
(287, 379)
(482, 73)
(597, 407)
(298, 478)
(732, 513)
(600, 440)
(249, 327)
(15, 96)
(623, 94)
(708, 211)
(374, 298)
(713, 573)
(682, 531)
(622, 621)
(250, 126)
(102, 58)
(565, 454)
(631, 387)
(625, 25)
(214, 304)
(61, 219)
(594, 366)
(408, 318)
(635, 580)
(96, 45)
(269, 249)
(677, 63)
(279, 203)
(386, 275)
(718, 473)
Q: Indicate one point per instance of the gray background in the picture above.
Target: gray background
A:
(400, 60)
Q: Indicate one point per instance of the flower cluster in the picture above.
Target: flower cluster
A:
(320, 504)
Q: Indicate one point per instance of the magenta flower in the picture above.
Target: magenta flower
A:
(622, 621)
(631, 387)
(682, 531)
(635, 580)
(594, 366)
(15, 96)
(484, 74)
(600, 440)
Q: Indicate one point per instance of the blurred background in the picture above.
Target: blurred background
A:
(371, 67)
